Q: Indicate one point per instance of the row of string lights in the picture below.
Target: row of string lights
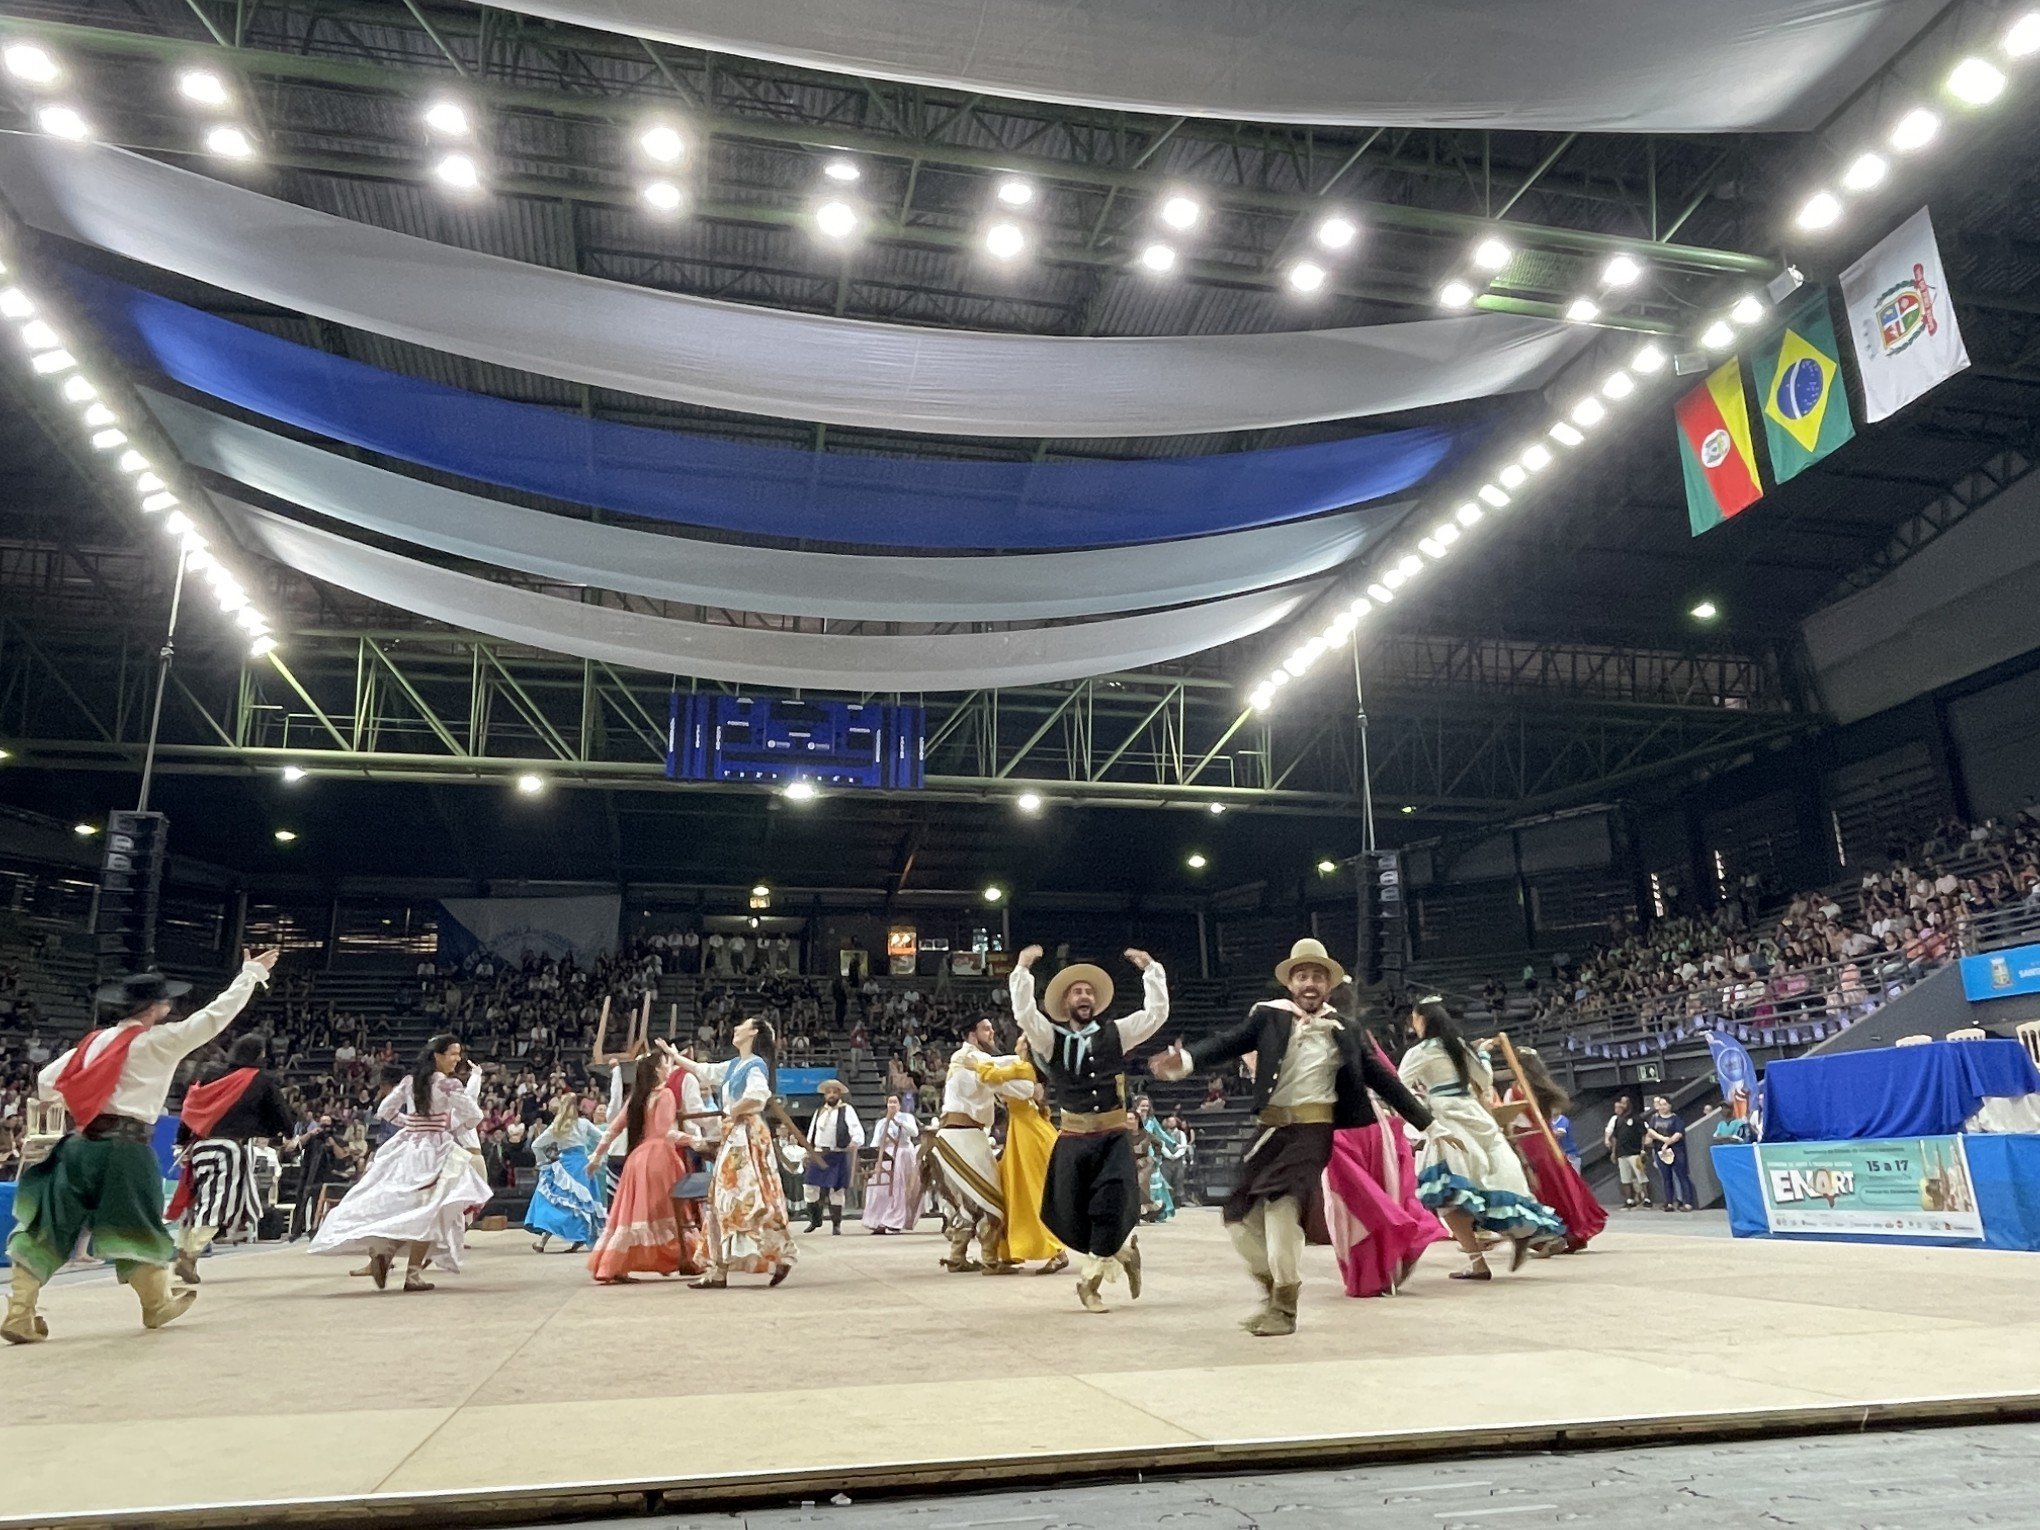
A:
(1973, 82)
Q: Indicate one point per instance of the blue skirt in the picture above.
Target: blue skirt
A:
(565, 1202)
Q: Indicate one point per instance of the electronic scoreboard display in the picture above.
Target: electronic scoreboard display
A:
(774, 739)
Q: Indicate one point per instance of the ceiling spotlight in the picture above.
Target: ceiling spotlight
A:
(262, 646)
(1337, 232)
(1411, 565)
(1566, 435)
(1360, 607)
(449, 119)
(1306, 276)
(286, 836)
(530, 785)
(1706, 611)
(1748, 309)
(1915, 130)
(1181, 211)
(155, 504)
(1215, 808)
(148, 483)
(1620, 271)
(230, 143)
(1028, 802)
(662, 142)
(250, 619)
(293, 774)
(1976, 82)
(459, 171)
(1512, 476)
(132, 461)
(49, 363)
(1583, 310)
(202, 86)
(25, 61)
(662, 196)
(1647, 361)
(1589, 412)
(1407, 809)
(842, 171)
(1491, 254)
(199, 560)
(1821, 210)
(1455, 294)
(1296, 663)
(1197, 863)
(1159, 258)
(1718, 336)
(79, 389)
(1493, 495)
(994, 894)
(177, 524)
(15, 304)
(761, 891)
(1005, 240)
(2023, 36)
(1380, 593)
(1619, 385)
(107, 440)
(835, 220)
(63, 122)
(1326, 868)
(1467, 514)
(1536, 457)
(1432, 548)
(37, 335)
(1015, 192)
(800, 791)
(84, 830)
(1395, 578)
(1866, 172)
(1262, 698)
(1445, 533)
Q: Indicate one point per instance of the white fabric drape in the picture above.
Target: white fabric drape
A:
(759, 360)
(753, 656)
(1010, 587)
(1591, 65)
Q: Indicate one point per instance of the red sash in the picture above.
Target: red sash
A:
(204, 1104)
(87, 1085)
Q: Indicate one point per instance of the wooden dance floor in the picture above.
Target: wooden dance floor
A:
(519, 1390)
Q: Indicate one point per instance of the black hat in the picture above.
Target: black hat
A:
(138, 990)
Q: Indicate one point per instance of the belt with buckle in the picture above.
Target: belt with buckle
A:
(960, 1122)
(1093, 1123)
(1295, 1115)
(112, 1128)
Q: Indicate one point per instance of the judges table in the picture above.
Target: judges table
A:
(1892, 1091)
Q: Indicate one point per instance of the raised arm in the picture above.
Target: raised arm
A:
(1020, 987)
(179, 1038)
(1154, 1011)
(1179, 1062)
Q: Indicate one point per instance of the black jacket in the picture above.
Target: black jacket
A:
(1266, 1032)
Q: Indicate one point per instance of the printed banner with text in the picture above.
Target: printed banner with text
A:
(1912, 1187)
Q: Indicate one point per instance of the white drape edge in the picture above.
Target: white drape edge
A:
(1579, 65)
(1006, 587)
(753, 656)
(759, 360)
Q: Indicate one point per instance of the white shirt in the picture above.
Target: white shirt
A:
(151, 1065)
(755, 1087)
(1309, 1074)
(822, 1130)
(894, 1131)
(965, 1094)
(1135, 1028)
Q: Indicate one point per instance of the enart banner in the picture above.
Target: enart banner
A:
(1911, 1187)
(583, 928)
(1901, 319)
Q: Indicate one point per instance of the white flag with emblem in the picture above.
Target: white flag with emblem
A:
(1901, 318)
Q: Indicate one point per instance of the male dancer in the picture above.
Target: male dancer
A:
(216, 1193)
(965, 1174)
(103, 1177)
(835, 1134)
(1313, 1076)
(1092, 1201)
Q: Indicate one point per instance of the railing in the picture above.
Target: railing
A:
(2017, 924)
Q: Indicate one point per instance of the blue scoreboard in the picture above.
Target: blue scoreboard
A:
(774, 739)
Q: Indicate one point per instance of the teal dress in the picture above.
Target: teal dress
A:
(1166, 1142)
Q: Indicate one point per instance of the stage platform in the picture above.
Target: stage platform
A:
(519, 1391)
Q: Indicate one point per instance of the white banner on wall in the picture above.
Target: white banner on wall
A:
(581, 927)
(1902, 319)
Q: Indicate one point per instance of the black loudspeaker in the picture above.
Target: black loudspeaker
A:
(130, 892)
(1384, 920)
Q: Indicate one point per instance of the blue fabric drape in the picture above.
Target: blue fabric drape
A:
(1924, 1091)
(758, 491)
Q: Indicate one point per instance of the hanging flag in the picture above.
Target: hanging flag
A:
(1799, 378)
(1901, 319)
(1715, 449)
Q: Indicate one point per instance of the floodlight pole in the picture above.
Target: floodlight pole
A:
(163, 658)
(1366, 774)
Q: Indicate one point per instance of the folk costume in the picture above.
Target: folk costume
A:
(1377, 1225)
(216, 1190)
(892, 1196)
(1023, 1172)
(102, 1178)
(565, 1202)
(1556, 1183)
(1466, 1163)
(643, 1233)
(964, 1172)
(748, 1229)
(1166, 1151)
(1313, 1079)
(1093, 1198)
(836, 1135)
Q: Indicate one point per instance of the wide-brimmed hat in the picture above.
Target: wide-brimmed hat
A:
(138, 990)
(833, 1083)
(1077, 972)
(1309, 953)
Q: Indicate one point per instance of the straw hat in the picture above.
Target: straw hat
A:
(1309, 953)
(836, 1084)
(1078, 972)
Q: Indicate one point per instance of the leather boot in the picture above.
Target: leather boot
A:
(23, 1325)
(1087, 1293)
(1267, 1285)
(814, 1221)
(186, 1267)
(151, 1283)
(1129, 1257)
(835, 1220)
(1280, 1318)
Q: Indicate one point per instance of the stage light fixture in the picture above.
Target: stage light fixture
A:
(1197, 863)
(31, 64)
(98, 415)
(1536, 457)
(49, 363)
(1589, 412)
(1706, 611)
(84, 830)
(1565, 434)
(1411, 565)
(1005, 240)
(1337, 232)
(1455, 294)
(994, 894)
(842, 171)
(1620, 271)
(107, 440)
(1866, 172)
(132, 461)
(1619, 385)
(293, 774)
(78, 389)
(1821, 210)
(800, 791)
(836, 220)
(1158, 258)
(1648, 361)
(202, 86)
(1360, 607)
(1718, 336)
(286, 837)
(1380, 593)
(251, 620)
(1512, 476)
(262, 646)
(1583, 310)
(177, 523)
(1468, 514)
(1748, 309)
(1261, 698)
(1394, 578)
(1182, 211)
(1445, 533)
(1326, 868)
(233, 599)
(230, 142)
(156, 504)
(1215, 808)
(1296, 664)
(1015, 192)
(1492, 253)
(63, 122)
(1306, 276)
(1975, 82)
(1493, 496)
(1432, 547)
(449, 119)
(661, 141)
(149, 483)
(16, 304)
(459, 171)
(662, 196)
(530, 785)
(37, 335)
(1915, 130)
(1028, 802)
(198, 560)
(2022, 37)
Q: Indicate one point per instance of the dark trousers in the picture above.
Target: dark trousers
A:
(1677, 1182)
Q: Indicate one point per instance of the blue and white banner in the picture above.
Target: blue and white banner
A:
(581, 927)
(1737, 1071)
(2001, 974)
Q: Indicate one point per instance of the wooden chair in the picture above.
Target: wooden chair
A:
(2029, 1034)
(1968, 1033)
(1912, 1041)
(46, 1122)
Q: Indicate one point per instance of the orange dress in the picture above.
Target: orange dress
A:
(645, 1233)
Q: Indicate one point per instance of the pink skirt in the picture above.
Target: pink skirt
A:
(1378, 1226)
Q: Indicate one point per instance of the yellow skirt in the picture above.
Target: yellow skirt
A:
(1023, 1173)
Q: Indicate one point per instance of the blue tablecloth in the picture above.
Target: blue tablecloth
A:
(1923, 1091)
(2004, 1172)
(6, 1218)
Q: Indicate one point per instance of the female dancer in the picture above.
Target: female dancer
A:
(747, 1224)
(424, 1182)
(1556, 1182)
(1023, 1168)
(1467, 1172)
(1377, 1225)
(892, 1198)
(565, 1203)
(1161, 1144)
(643, 1233)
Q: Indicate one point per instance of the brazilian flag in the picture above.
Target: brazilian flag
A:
(1799, 379)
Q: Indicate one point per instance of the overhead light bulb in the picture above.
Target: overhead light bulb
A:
(233, 600)
(801, 791)
(1468, 514)
(156, 503)
(1360, 607)
(177, 523)
(15, 304)
(132, 462)
(148, 483)
(1747, 310)
(842, 171)
(1005, 240)
(1158, 258)
(293, 774)
(1182, 211)
(1976, 82)
(1866, 172)
(2022, 37)
(1445, 533)
(1648, 360)
(230, 143)
(63, 122)
(1536, 457)
(459, 171)
(37, 335)
(1620, 271)
(107, 440)
(1493, 495)
(1821, 210)
(97, 415)
(662, 142)
(1306, 276)
(1706, 611)
(662, 196)
(1455, 294)
(1589, 411)
(84, 830)
(530, 785)
(1512, 476)
(1566, 435)
(1296, 663)
(1326, 868)
(1583, 310)
(202, 86)
(1619, 385)
(1028, 802)
(79, 389)
(262, 646)
(286, 836)
(250, 619)
(1197, 863)
(1380, 593)
(1915, 130)
(1492, 253)
(49, 363)
(1411, 565)
(199, 560)
(1394, 578)
(1718, 336)
(1337, 232)
(835, 220)
(25, 61)
(1015, 192)
(1432, 548)
(449, 119)
(994, 894)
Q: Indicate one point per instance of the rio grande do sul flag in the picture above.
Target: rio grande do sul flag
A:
(1799, 389)
(1715, 450)
(1900, 319)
